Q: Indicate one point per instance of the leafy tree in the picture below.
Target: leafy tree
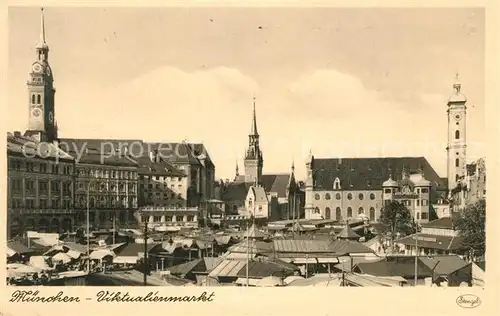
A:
(396, 218)
(470, 223)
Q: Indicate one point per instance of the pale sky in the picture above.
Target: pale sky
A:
(340, 82)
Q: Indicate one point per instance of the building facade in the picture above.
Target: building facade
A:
(169, 218)
(40, 184)
(413, 191)
(346, 188)
(471, 187)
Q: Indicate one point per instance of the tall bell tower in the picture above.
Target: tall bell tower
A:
(457, 141)
(41, 124)
(253, 158)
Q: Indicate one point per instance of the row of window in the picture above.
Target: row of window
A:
(158, 195)
(163, 178)
(159, 187)
(43, 186)
(107, 216)
(417, 190)
(105, 173)
(43, 167)
(107, 201)
(42, 204)
(338, 212)
(338, 196)
(93, 186)
(168, 218)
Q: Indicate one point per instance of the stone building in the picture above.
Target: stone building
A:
(40, 184)
(343, 188)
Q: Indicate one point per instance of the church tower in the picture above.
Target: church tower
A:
(253, 157)
(41, 124)
(456, 149)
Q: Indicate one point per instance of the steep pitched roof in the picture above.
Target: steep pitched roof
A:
(275, 183)
(29, 146)
(368, 173)
(182, 153)
(444, 265)
(394, 266)
(236, 191)
(162, 168)
(348, 232)
(259, 194)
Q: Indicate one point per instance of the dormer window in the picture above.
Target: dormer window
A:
(336, 184)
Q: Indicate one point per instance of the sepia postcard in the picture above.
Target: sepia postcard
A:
(250, 158)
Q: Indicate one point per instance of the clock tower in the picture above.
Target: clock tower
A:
(456, 149)
(41, 93)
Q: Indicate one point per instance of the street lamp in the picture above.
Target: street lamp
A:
(88, 224)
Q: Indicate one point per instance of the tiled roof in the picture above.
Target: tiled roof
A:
(236, 191)
(303, 246)
(368, 173)
(182, 153)
(259, 194)
(162, 168)
(31, 147)
(275, 183)
(262, 269)
(348, 232)
(348, 246)
(132, 250)
(394, 266)
(444, 223)
(18, 247)
(254, 247)
(433, 241)
(444, 265)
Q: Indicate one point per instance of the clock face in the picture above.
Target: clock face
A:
(458, 117)
(37, 68)
(36, 112)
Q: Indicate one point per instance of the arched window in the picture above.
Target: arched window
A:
(316, 210)
(33, 99)
(328, 214)
(38, 99)
(360, 210)
(338, 196)
(457, 162)
(338, 214)
(372, 196)
(349, 196)
(361, 196)
(372, 214)
(349, 212)
(317, 197)
(457, 134)
(327, 196)
(336, 184)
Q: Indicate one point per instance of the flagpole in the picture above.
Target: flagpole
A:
(248, 254)
(416, 252)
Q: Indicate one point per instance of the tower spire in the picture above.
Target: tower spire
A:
(237, 169)
(457, 85)
(253, 130)
(41, 43)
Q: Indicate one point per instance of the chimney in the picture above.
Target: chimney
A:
(17, 133)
